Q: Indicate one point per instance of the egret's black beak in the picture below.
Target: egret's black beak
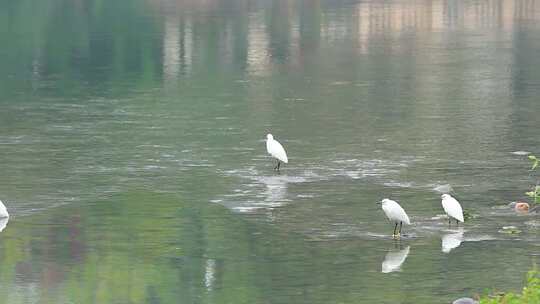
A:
(378, 203)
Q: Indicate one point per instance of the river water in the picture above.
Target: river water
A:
(133, 161)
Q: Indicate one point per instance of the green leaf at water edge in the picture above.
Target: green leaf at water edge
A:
(535, 161)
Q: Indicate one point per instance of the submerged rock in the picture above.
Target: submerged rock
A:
(465, 301)
(510, 230)
(467, 215)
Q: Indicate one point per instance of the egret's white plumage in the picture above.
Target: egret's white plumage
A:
(452, 207)
(275, 149)
(3, 210)
(3, 223)
(394, 211)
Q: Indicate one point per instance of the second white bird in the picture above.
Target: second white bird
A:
(452, 208)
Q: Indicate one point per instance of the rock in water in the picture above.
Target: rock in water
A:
(465, 301)
(510, 230)
(521, 207)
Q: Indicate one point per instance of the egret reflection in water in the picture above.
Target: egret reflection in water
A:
(452, 240)
(393, 260)
(209, 274)
(276, 190)
(259, 192)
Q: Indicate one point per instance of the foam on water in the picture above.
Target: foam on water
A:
(398, 184)
(257, 190)
(444, 188)
(265, 185)
(521, 153)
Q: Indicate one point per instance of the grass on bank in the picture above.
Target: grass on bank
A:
(530, 294)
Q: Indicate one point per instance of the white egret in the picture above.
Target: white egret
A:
(393, 260)
(3, 223)
(3, 210)
(275, 149)
(452, 208)
(395, 213)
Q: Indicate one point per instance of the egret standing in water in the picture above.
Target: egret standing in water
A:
(275, 149)
(452, 208)
(395, 213)
(3, 211)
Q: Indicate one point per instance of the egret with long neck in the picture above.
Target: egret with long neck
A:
(395, 213)
(452, 208)
(274, 148)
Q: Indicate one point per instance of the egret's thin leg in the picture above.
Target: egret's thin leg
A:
(400, 224)
(278, 163)
(395, 227)
(277, 166)
(457, 223)
(449, 222)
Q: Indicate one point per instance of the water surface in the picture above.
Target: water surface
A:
(133, 160)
